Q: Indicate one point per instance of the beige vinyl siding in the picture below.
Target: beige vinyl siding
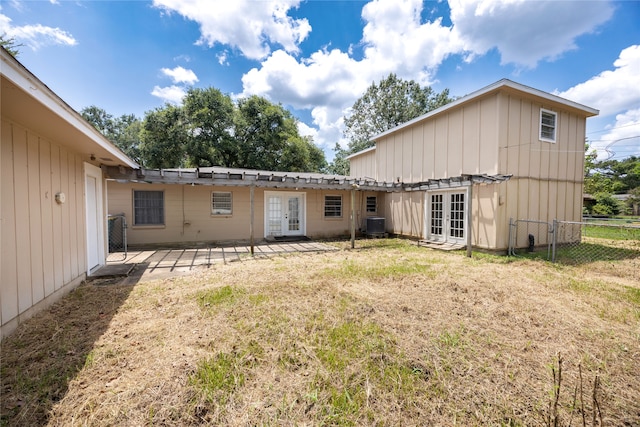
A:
(43, 243)
(188, 215)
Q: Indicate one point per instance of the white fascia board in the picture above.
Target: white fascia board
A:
(30, 84)
(492, 87)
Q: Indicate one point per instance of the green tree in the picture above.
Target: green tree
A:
(123, 131)
(9, 44)
(208, 115)
(606, 205)
(164, 138)
(385, 105)
(268, 138)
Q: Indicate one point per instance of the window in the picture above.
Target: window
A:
(332, 206)
(372, 204)
(548, 125)
(221, 203)
(148, 207)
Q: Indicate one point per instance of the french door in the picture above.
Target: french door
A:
(446, 216)
(284, 214)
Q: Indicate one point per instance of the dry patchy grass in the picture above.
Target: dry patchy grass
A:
(387, 334)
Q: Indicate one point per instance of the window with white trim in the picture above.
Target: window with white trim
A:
(148, 207)
(221, 203)
(332, 206)
(372, 204)
(548, 124)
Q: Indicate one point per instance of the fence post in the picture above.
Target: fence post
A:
(510, 250)
(554, 240)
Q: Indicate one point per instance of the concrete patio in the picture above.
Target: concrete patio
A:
(156, 263)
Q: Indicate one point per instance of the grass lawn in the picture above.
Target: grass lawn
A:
(387, 334)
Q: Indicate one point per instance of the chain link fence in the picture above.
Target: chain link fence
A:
(530, 236)
(599, 240)
(117, 228)
(568, 242)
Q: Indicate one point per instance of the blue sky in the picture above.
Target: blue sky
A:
(317, 57)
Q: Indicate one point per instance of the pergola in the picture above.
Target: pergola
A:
(229, 177)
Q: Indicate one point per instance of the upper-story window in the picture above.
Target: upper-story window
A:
(548, 125)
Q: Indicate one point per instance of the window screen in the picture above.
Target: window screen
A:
(332, 206)
(148, 207)
(548, 125)
(221, 203)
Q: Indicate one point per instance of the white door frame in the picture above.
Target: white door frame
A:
(283, 196)
(447, 220)
(94, 217)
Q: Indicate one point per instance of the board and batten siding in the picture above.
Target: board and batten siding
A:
(43, 243)
(497, 133)
(548, 178)
(462, 140)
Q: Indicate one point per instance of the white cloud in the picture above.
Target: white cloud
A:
(35, 36)
(172, 94)
(525, 32)
(612, 91)
(395, 39)
(250, 26)
(180, 75)
(622, 139)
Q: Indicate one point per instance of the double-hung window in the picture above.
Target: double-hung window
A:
(221, 203)
(148, 207)
(548, 125)
(332, 206)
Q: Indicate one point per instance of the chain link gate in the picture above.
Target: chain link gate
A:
(117, 226)
(529, 235)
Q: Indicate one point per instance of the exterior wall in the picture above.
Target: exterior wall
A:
(363, 165)
(547, 180)
(463, 140)
(43, 243)
(188, 217)
(497, 133)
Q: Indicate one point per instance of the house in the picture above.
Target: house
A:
(531, 142)
(52, 195)
(219, 205)
(455, 176)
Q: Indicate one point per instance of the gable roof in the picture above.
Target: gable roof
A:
(504, 84)
(29, 102)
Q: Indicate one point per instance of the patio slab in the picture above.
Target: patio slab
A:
(170, 262)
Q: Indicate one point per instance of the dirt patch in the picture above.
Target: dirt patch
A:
(385, 334)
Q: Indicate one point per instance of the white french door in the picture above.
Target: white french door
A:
(284, 213)
(446, 216)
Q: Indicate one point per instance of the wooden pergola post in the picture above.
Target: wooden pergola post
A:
(353, 216)
(469, 219)
(251, 240)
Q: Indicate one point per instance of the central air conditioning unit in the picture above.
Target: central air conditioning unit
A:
(375, 227)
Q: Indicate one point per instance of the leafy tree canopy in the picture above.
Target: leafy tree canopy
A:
(123, 131)
(607, 177)
(384, 105)
(209, 129)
